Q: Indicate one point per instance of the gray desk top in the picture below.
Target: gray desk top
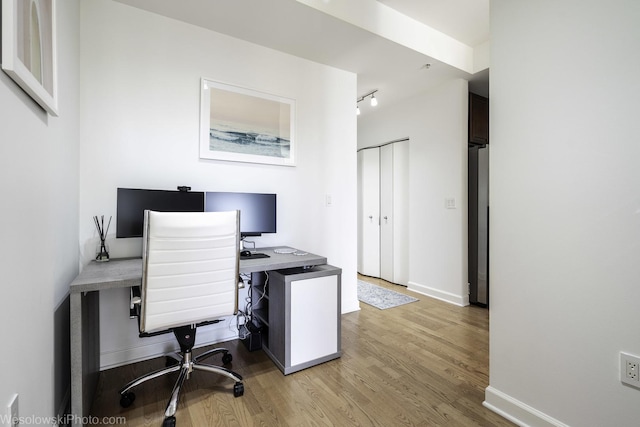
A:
(279, 261)
(116, 273)
(123, 273)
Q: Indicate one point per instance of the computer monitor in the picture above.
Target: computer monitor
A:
(257, 210)
(133, 202)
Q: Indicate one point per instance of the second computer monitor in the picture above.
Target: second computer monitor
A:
(257, 210)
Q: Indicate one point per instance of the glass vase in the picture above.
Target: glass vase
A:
(102, 251)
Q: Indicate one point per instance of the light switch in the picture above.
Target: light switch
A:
(450, 203)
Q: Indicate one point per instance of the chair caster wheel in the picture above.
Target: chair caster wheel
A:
(238, 389)
(127, 399)
(227, 358)
(169, 422)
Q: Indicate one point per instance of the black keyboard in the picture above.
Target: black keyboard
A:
(255, 256)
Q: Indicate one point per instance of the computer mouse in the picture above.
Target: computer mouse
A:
(245, 253)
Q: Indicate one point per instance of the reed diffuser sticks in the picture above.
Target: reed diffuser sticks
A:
(102, 253)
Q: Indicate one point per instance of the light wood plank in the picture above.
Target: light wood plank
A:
(420, 364)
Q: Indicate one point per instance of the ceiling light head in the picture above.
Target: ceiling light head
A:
(374, 100)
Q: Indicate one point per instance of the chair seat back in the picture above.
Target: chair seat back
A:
(190, 268)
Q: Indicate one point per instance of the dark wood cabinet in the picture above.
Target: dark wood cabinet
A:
(478, 119)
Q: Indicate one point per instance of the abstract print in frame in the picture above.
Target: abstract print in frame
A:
(244, 125)
(29, 48)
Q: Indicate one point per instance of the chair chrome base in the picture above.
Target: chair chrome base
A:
(186, 365)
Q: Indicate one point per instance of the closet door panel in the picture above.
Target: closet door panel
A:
(401, 213)
(386, 212)
(369, 240)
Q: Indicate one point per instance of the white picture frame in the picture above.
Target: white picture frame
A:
(29, 49)
(244, 125)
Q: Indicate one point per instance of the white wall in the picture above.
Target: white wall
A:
(565, 210)
(140, 126)
(436, 124)
(39, 229)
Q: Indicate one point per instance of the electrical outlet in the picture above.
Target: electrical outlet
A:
(12, 411)
(630, 369)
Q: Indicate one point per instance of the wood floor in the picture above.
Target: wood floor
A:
(420, 364)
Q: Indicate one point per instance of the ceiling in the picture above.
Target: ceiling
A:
(290, 26)
(464, 20)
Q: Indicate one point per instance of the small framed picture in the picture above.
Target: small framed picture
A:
(29, 48)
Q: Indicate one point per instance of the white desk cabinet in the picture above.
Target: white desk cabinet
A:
(303, 317)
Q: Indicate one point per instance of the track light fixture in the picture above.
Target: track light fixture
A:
(374, 100)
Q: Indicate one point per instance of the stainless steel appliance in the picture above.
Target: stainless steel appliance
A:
(479, 225)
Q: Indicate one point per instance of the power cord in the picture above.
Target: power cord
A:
(245, 317)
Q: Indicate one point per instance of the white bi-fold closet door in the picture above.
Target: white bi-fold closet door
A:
(383, 223)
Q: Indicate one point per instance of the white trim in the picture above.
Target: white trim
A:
(517, 411)
(459, 300)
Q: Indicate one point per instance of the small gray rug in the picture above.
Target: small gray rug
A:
(380, 297)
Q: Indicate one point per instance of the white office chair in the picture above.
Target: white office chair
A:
(190, 274)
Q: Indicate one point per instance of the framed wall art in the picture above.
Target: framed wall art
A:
(244, 125)
(29, 48)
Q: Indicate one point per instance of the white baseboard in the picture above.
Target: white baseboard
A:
(205, 336)
(516, 411)
(459, 300)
